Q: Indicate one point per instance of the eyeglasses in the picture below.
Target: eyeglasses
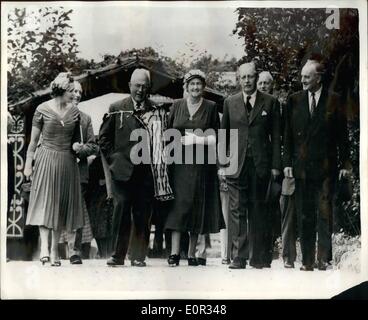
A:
(140, 86)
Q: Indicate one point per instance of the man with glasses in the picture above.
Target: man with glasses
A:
(132, 184)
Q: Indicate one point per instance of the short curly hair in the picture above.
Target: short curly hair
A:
(62, 83)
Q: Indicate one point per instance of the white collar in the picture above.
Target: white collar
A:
(252, 99)
(135, 104)
(317, 95)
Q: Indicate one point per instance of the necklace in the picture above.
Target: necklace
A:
(193, 108)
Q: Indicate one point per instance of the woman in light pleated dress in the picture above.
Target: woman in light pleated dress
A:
(55, 200)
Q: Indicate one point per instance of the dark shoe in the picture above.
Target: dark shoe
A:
(201, 261)
(237, 264)
(322, 265)
(56, 263)
(192, 262)
(173, 260)
(44, 260)
(75, 259)
(256, 265)
(267, 265)
(306, 268)
(289, 265)
(137, 263)
(225, 261)
(113, 262)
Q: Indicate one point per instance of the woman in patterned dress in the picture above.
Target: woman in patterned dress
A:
(55, 200)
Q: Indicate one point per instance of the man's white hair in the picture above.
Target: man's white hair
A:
(316, 64)
(266, 74)
(250, 64)
(138, 73)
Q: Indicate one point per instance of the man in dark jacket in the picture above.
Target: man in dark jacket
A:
(255, 116)
(315, 134)
(132, 184)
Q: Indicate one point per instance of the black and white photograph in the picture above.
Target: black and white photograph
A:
(183, 150)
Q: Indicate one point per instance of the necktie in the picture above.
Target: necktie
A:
(138, 109)
(313, 105)
(248, 105)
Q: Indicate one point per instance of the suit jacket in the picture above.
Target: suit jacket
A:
(114, 137)
(310, 145)
(89, 147)
(261, 130)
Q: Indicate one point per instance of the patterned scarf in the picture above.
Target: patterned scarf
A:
(155, 122)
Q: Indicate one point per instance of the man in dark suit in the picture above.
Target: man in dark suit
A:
(256, 118)
(273, 217)
(132, 184)
(315, 134)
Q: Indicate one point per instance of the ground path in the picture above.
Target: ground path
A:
(93, 279)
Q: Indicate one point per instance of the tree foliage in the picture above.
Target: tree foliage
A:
(281, 39)
(214, 69)
(40, 45)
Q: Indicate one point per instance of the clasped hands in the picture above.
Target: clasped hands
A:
(189, 139)
(77, 146)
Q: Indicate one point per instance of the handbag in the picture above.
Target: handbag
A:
(101, 215)
(25, 190)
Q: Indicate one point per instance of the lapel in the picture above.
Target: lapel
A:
(132, 119)
(305, 108)
(240, 107)
(125, 119)
(317, 120)
(257, 107)
(129, 105)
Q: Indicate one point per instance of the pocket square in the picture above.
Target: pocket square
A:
(264, 113)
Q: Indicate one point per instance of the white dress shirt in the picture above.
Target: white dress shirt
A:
(135, 104)
(317, 95)
(252, 100)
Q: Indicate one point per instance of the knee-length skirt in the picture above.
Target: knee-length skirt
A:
(56, 197)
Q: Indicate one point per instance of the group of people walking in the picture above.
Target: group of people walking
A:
(254, 148)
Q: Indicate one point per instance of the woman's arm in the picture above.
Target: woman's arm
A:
(35, 136)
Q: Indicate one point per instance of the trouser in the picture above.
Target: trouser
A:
(314, 211)
(132, 201)
(247, 211)
(224, 233)
(161, 235)
(74, 239)
(272, 228)
(288, 228)
(201, 249)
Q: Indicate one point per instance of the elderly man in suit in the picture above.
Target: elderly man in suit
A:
(265, 82)
(315, 135)
(256, 117)
(273, 218)
(133, 183)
